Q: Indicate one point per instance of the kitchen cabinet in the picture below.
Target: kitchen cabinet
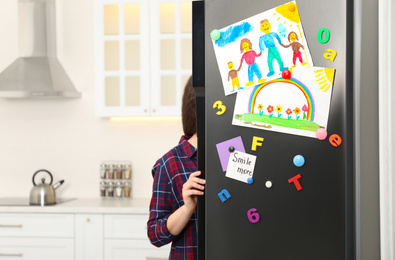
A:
(125, 236)
(143, 52)
(37, 236)
(89, 236)
(81, 229)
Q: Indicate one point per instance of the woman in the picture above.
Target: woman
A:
(175, 189)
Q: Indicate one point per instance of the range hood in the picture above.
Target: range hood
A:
(36, 73)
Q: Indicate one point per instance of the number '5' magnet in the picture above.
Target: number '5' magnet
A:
(221, 107)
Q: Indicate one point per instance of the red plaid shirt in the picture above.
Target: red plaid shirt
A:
(170, 173)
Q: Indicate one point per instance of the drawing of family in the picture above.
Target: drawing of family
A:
(266, 41)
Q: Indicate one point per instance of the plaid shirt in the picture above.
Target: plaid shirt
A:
(170, 173)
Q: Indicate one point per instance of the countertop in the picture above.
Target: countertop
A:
(98, 206)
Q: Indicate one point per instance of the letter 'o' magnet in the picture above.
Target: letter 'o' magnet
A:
(269, 184)
(321, 134)
(250, 180)
(299, 160)
(215, 35)
(231, 149)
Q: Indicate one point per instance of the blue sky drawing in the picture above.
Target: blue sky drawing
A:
(233, 33)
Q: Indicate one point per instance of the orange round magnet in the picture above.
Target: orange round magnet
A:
(335, 140)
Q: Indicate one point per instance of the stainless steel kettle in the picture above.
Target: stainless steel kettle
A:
(44, 194)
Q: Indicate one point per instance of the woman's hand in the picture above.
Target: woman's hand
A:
(191, 189)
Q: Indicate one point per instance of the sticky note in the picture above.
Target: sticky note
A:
(224, 153)
(241, 166)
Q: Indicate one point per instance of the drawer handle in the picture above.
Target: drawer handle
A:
(14, 226)
(155, 258)
(11, 254)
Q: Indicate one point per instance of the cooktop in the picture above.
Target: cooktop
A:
(25, 202)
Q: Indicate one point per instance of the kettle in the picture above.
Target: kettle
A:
(44, 194)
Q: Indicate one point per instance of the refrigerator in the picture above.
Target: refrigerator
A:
(281, 154)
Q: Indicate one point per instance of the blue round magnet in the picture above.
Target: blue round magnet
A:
(250, 180)
(299, 160)
(215, 35)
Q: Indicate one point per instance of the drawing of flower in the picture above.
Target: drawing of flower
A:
(297, 111)
(289, 112)
(270, 110)
(278, 110)
(260, 107)
(304, 109)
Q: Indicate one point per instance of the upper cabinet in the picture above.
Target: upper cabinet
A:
(143, 56)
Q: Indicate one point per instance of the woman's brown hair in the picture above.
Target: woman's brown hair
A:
(188, 109)
(243, 41)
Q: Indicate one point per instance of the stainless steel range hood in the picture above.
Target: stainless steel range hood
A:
(36, 73)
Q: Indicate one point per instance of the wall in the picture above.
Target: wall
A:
(367, 132)
(387, 127)
(64, 136)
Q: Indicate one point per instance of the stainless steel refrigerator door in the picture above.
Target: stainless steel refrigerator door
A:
(317, 222)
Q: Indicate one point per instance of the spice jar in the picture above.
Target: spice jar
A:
(102, 189)
(103, 171)
(127, 172)
(119, 172)
(118, 190)
(111, 172)
(126, 189)
(110, 189)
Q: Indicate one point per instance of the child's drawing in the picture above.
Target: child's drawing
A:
(298, 105)
(268, 40)
(233, 75)
(262, 41)
(249, 58)
(295, 46)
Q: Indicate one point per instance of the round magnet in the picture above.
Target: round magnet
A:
(269, 184)
(231, 149)
(286, 74)
(321, 134)
(215, 35)
(299, 160)
(250, 180)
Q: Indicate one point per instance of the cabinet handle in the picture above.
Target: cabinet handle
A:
(14, 226)
(155, 258)
(11, 254)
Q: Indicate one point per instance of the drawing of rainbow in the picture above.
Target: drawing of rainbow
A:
(293, 81)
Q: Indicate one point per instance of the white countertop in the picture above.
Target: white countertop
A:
(99, 206)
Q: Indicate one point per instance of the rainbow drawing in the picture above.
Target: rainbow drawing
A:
(293, 81)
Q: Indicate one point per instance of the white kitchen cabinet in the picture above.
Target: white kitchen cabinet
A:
(36, 248)
(88, 236)
(143, 56)
(126, 249)
(82, 229)
(125, 236)
(37, 236)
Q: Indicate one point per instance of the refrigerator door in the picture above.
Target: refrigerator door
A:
(315, 222)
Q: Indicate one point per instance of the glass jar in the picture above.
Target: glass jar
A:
(103, 171)
(102, 189)
(119, 172)
(118, 190)
(111, 172)
(127, 172)
(126, 189)
(110, 189)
